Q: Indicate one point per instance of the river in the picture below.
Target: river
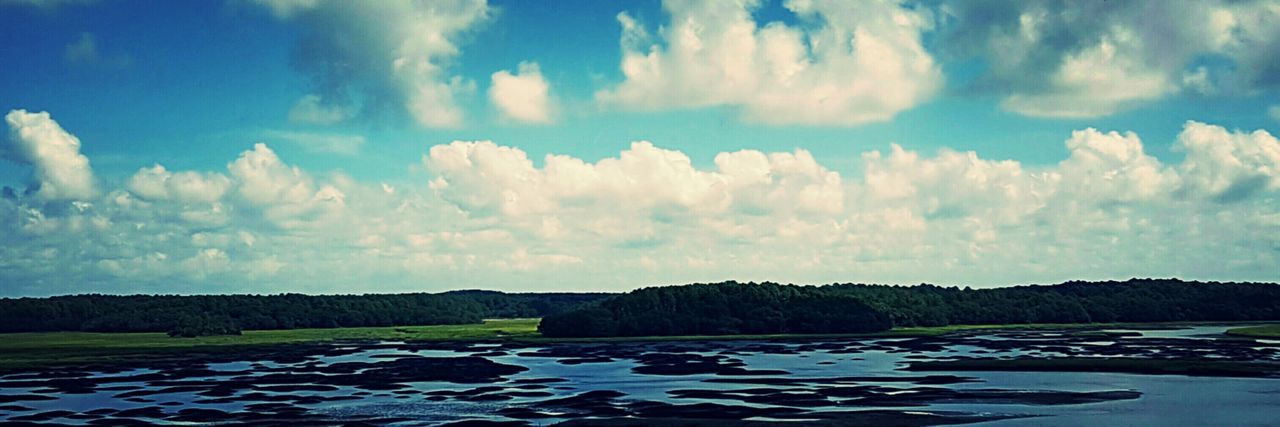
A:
(671, 380)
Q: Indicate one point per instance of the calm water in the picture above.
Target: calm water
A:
(1166, 399)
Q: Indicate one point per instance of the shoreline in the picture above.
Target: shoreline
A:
(21, 352)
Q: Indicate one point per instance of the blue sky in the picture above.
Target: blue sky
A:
(350, 99)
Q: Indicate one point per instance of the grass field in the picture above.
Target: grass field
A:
(1267, 331)
(35, 350)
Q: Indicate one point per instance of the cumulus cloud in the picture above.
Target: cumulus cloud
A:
(60, 170)
(845, 64)
(1113, 167)
(952, 185)
(386, 56)
(490, 216)
(157, 183)
(1071, 60)
(486, 178)
(287, 195)
(524, 96)
(1229, 166)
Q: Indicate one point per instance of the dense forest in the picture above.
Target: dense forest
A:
(734, 308)
(719, 309)
(220, 314)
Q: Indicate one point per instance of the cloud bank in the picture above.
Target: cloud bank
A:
(489, 216)
(817, 63)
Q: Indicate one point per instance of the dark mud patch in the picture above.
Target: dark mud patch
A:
(901, 397)
(694, 364)
(922, 380)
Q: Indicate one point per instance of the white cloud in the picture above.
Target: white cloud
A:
(1111, 166)
(847, 64)
(265, 180)
(952, 185)
(61, 171)
(287, 195)
(485, 178)
(760, 183)
(1229, 166)
(157, 183)
(388, 54)
(524, 96)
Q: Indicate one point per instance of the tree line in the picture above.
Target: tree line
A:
(734, 308)
(718, 309)
(700, 309)
(1134, 300)
(221, 314)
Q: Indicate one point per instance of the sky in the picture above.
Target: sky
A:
(317, 146)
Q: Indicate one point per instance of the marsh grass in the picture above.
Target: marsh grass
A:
(24, 350)
(1265, 331)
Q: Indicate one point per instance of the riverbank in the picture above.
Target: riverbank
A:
(25, 351)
